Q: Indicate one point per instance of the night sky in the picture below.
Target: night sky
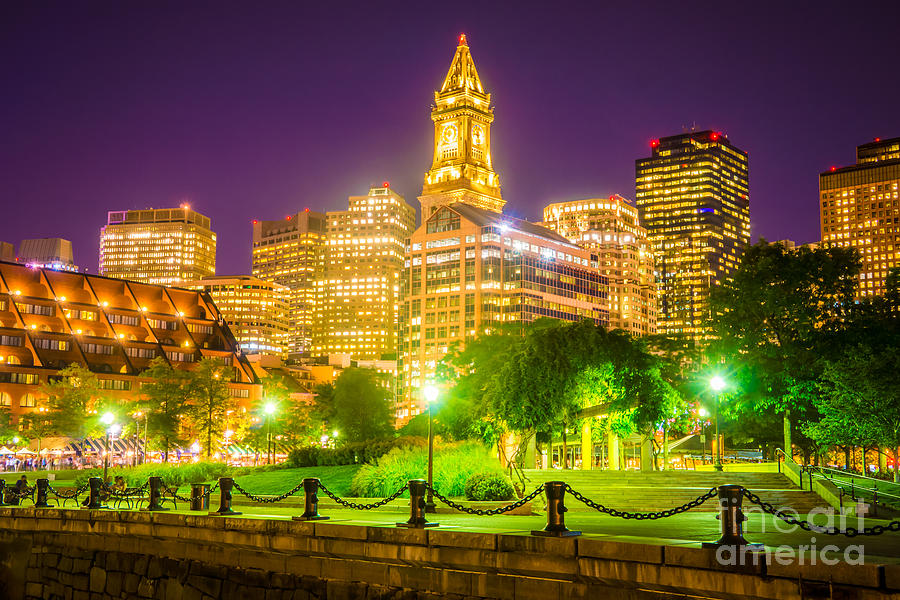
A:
(256, 110)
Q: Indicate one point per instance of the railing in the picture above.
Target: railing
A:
(730, 499)
(846, 482)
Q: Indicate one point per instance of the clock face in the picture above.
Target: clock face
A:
(477, 135)
(449, 134)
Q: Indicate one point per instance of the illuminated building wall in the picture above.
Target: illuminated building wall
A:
(693, 198)
(859, 208)
(157, 246)
(461, 168)
(471, 270)
(50, 319)
(289, 252)
(610, 227)
(256, 311)
(52, 253)
(358, 294)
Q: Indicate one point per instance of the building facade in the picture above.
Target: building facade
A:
(611, 228)
(255, 310)
(357, 297)
(289, 252)
(461, 168)
(159, 246)
(693, 198)
(50, 319)
(859, 208)
(50, 253)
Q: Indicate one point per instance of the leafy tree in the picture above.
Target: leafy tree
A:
(73, 401)
(37, 425)
(770, 319)
(323, 404)
(7, 430)
(168, 393)
(362, 406)
(210, 400)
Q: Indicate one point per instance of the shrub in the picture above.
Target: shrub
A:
(489, 486)
(172, 474)
(453, 465)
(348, 454)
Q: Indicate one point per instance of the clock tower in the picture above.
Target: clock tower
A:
(461, 170)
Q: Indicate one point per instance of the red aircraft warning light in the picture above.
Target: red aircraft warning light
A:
(385, 184)
(834, 168)
(714, 136)
(654, 143)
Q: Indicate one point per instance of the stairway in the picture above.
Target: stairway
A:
(634, 491)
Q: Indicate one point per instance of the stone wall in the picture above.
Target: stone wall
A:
(91, 555)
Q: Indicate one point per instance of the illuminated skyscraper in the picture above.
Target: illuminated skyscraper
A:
(159, 246)
(470, 269)
(254, 310)
(358, 294)
(859, 207)
(461, 168)
(289, 252)
(693, 198)
(610, 227)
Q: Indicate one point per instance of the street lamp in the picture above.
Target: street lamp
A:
(703, 413)
(431, 394)
(269, 409)
(107, 419)
(717, 384)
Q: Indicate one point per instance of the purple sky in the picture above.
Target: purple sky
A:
(260, 109)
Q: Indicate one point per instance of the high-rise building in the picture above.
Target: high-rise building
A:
(113, 327)
(610, 227)
(859, 208)
(255, 311)
(693, 198)
(357, 297)
(470, 269)
(7, 252)
(51, 253)
(289, 252)
(160, 246)
(461, 168)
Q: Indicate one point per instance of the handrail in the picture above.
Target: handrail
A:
(852, 475)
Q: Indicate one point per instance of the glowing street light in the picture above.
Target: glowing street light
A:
(431, 395)
(111, 429)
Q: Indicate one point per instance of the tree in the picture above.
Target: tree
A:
(168, 393)
(7, 431)
(73, 401)
(771, 320)
(36, 425)
(323, 404)
(862, 399)
(210, 400)
(362, 406)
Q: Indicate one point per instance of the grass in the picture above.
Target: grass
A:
(278, 481)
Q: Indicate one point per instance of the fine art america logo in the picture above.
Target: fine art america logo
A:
(827, 523)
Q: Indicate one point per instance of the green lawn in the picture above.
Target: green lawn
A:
(276, 482)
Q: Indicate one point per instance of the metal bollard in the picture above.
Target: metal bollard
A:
(2, 492)
(156, 484)
(94, 483)
(43, 487)
(417, 519)
(199, 496)
(731, 516)
(225, 486)
(555, 492)
(310, 501)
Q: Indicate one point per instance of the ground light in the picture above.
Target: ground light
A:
(431, 395)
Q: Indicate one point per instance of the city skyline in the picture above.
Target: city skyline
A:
(230, 126)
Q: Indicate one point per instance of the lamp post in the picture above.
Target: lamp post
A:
(431, 393)
(107, 419)
(704, 413)
(269, 410)
(717, 384)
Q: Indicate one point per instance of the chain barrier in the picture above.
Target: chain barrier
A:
(712, 493)
(486, 512)
(356, 506)
(128, 493)
(188, 499)
(65, 496)
(807, 526)
(268, 499)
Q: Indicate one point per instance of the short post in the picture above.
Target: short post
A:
(2, 492)
(94, 483)
(225, 486)
(417, 488)
(43, 487)
(310, 501)
(199, 496)
(555, 492)
(874, 499)
(156, 484)
(731, 517)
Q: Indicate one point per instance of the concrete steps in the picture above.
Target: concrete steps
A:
(645, 492)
